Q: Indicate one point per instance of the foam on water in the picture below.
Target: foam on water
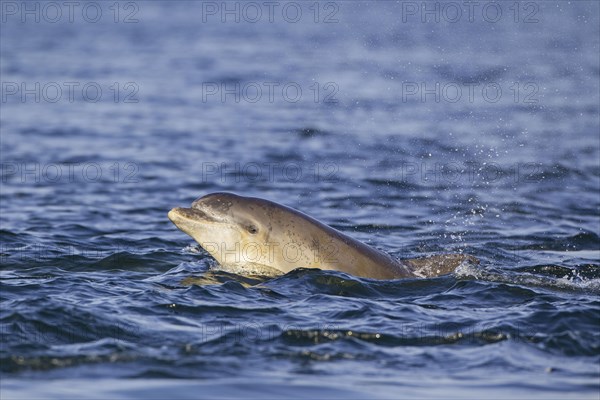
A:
(573, 281)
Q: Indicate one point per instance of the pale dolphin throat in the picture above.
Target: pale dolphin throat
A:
(249, 234)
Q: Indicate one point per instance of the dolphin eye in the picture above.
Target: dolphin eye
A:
(252, 229)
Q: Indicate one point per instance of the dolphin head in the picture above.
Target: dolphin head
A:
(236, 230)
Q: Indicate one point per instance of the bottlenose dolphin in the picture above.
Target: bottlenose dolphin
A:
(253, 235)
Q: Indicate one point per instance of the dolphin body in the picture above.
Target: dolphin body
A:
(257, 236)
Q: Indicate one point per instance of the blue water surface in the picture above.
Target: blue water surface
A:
(420, 128)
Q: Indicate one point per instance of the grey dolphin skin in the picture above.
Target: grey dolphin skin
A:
(249, 234)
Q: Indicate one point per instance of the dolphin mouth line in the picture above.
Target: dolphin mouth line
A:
(190, 214)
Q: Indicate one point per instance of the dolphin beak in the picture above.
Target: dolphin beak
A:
(184, 219)
(178, 214)
(181, 215)
(174, 214)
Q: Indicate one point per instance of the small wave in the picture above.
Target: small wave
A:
(463, 75)
(248, 269)
(44, 363)
(408, 338)
(585, 272)
(537, 276)
(324, 282)
(309, 132)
